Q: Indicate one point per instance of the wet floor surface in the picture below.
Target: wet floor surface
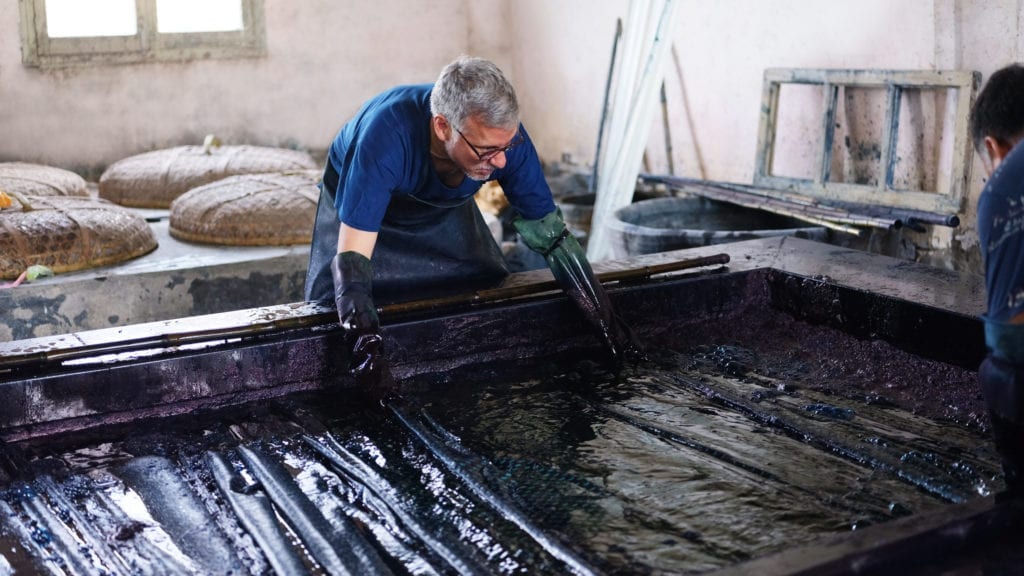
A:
(731, 442)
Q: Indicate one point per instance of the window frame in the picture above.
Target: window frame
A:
(948, 200)
(147, 45)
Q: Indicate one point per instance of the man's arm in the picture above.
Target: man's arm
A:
(356, 240)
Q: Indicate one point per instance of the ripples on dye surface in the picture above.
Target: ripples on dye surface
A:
(699, 458)
(696, 468)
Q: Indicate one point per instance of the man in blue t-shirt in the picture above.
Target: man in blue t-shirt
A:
(997, 126)
(398, 187)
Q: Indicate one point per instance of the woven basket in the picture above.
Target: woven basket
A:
(70, 233)
(39, 180)
(155, 179)
(249, 210)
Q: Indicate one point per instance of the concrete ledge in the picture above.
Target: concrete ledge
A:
(176, 280)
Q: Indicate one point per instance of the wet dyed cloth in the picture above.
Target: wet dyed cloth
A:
(379, 178)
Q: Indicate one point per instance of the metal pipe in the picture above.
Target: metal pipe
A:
(256, 514)
(78, 559)
(468, 469)
(338, 547)
(94, 542)
(370, 482)
(500, 294)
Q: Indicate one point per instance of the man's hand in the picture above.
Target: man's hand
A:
(370, 367)
(622, 342)
(353, 293)
(358, 318)
(550, 237)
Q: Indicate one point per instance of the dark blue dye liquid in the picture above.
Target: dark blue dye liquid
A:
(700, 458)
(679, 465)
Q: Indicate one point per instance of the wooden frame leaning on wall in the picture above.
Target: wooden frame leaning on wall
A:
(822, 184)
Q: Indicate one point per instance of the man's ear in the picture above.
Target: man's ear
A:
(442, 129)
(997, 149)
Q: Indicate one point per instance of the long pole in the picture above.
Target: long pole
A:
(592, 185)
(617, 187)
(668, 131)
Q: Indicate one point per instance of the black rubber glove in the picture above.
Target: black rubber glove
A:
(549, 237)
(357, 315)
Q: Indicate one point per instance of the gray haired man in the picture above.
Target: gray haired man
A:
(397, 191)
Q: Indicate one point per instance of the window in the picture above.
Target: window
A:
(76, 32)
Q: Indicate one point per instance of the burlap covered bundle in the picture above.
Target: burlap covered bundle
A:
(155, 179)
(249, 210)
(490, 198)
(40, 180)
(70, 233)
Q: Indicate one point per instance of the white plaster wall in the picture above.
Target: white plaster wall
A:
(323, 58)
(988, 34)
(563, 49)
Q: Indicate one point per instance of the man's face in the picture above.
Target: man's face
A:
(476, 140)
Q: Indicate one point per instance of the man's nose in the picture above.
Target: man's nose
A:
(499, 160)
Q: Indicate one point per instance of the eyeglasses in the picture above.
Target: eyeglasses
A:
(488, 154)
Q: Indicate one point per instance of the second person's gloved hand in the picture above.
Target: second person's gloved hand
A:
(357, 315)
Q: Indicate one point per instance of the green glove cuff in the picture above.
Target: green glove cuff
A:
(542, 235)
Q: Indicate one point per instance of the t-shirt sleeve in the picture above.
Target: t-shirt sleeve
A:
(370, 175)
(523, 181)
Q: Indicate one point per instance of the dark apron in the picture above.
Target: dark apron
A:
(423, 249)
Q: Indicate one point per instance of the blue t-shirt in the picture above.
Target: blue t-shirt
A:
(1001, 233)
(384, 151)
